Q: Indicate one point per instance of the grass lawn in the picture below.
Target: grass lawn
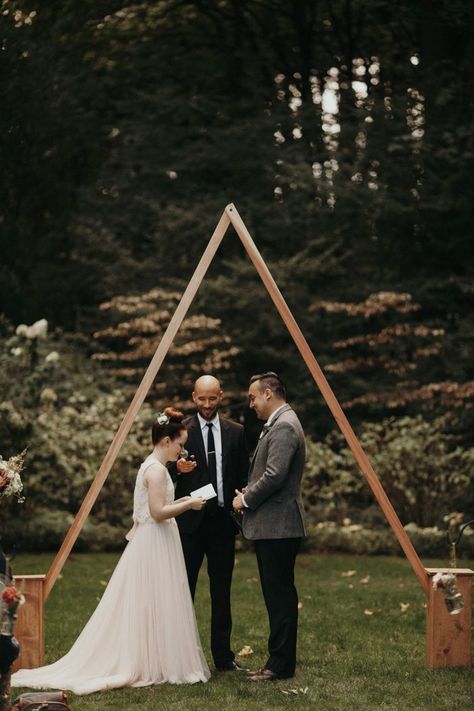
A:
(347, 659)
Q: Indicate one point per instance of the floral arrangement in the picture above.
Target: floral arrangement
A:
(452, 597)
(163, 418)
(10, 479)
(440, 580)
(10, 600)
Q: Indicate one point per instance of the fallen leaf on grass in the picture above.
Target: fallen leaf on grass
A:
(349, 573)
(245, 651)
(404, 606)
(307, 597)
(369, 611)
(364, 581)
(103, 582)
(252, 580)
(294, 691)
(300, 606)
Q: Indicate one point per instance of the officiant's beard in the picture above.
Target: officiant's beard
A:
(208, 413)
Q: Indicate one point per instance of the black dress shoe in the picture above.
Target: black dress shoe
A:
(231, 666)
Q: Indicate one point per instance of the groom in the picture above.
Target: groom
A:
(273, 518)
(218, 455)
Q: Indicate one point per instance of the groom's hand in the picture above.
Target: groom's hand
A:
(184, 466)
(237, 503)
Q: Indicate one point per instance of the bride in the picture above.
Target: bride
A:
(143, 630)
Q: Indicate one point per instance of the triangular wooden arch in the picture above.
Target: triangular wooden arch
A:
(231, 216)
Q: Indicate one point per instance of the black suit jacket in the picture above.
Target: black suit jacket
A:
(235, 465)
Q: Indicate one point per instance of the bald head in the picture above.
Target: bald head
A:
(207, 381)
(207, 396)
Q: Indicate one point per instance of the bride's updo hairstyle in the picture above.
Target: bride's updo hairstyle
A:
(168, 423)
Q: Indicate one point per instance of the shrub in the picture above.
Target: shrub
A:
(424, 471)
(430, 542)
(66, 412)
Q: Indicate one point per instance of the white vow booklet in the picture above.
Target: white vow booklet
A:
(207, 492)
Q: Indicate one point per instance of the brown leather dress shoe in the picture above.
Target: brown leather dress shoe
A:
(255, 671)
(263, 675)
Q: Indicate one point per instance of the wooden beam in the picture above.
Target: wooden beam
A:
(136, 403)
(327, 393)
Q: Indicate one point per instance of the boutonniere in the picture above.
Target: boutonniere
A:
(265, 429)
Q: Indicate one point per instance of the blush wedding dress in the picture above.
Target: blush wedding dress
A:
(143, 630)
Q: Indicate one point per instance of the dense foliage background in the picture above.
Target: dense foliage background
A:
(342, 131)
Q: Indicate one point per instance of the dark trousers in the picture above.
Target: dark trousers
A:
(276, 565)
(215, 539)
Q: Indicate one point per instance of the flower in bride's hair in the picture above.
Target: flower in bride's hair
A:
(162, 418)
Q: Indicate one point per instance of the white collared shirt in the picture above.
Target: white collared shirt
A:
(216, 431)
(272, 416)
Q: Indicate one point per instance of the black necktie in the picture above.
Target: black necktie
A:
(211, 456)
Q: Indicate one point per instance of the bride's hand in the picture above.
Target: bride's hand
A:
(129, 536)
(196, 503)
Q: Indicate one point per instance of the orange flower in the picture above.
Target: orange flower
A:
(10, 595)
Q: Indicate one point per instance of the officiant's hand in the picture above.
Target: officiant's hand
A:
(237, 503)
(184, 466)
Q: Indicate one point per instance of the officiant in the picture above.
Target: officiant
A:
(217, 455)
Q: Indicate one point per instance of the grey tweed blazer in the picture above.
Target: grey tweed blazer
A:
(273, 496)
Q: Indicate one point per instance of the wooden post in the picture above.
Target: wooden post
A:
(327, 393)
(29, 629)
(142, 391)
(448, 637)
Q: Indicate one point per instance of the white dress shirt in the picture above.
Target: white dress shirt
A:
(271, 418)
(216, 431)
